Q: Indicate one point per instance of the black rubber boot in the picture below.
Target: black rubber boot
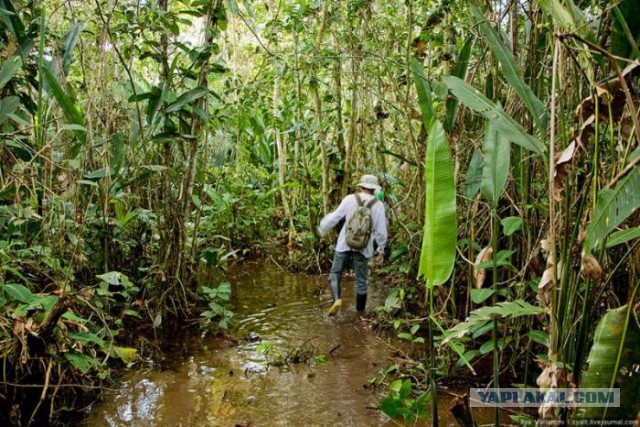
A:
(361, 302)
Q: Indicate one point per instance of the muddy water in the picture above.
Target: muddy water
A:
(218, 384)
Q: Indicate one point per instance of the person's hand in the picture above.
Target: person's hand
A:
(378, 258)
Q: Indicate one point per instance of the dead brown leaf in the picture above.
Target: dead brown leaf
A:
(560, 175)
(590, 268)
(480, 274)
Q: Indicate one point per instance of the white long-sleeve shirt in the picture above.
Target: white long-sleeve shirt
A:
(347, 208)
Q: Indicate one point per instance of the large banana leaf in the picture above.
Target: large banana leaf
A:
(511, 72)
(613, 361)
(440, 218)
(497, 159)
(504, 123)
(612, 208)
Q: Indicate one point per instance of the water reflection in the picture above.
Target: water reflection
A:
(222, 385)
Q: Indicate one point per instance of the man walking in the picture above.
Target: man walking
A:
(365, 221)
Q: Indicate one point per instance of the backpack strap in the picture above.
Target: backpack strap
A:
(358, 199)
(372, 202)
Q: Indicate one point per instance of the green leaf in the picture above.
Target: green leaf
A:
(424, 92)
(70, 315)
(73, 127)
(187, 98)
(474, 175)
(81, 362)
(321, 359)
(467, 357)
(117, 153)
(460, 71)
(624, 40)
(541, 337)
(9, 68)
(224, 291)
(391, 407)
(501, 260)
(622, 236)
(133, 313)
(511, 224)
(8, 106)
(478, 296)
(68, 44)
(511, 71)
(71, 113)
(569, 18)
(612, 208)
(19, 293)
(155, 103)
(613, 362)
(504, 123)
(232, 6)
(440, 223)
(87, 338)
(415, 328)
(12, 21)
(405, 336)
(487, 347)
(503, 310)
(392, 301)
(497, 159)
(97, 174)
(87, 182)
(115, 278)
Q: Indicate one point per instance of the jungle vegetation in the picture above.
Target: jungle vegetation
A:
(142, 141)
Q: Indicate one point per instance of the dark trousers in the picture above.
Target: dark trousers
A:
(360, 266)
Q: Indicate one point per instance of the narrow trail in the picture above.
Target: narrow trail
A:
(222, 385)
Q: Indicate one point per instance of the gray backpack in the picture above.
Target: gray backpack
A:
(360, 224)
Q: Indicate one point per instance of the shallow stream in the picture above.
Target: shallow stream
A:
(220, 384)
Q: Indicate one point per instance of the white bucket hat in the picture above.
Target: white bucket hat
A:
(370, 182)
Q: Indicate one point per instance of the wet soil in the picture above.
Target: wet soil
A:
(219, 383)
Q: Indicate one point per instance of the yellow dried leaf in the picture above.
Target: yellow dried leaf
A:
(126, 354)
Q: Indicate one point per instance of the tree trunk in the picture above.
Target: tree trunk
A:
(282, 160)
